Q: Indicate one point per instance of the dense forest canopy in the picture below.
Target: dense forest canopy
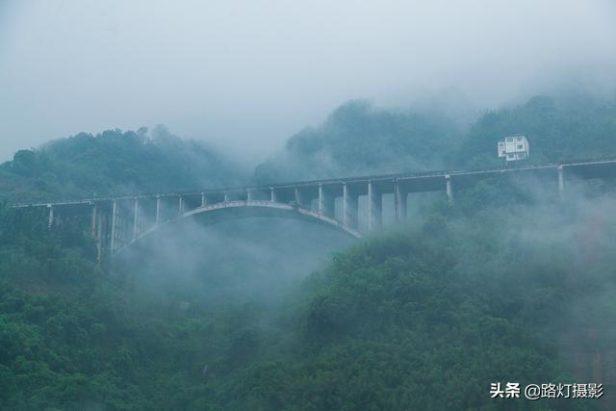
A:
(507, 285)
(562, 128)
(114, 162)
(360, 139)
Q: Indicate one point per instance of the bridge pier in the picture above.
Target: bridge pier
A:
(400, 197)
(114, 221)
(203, 199)
(561, 181)
(326, 202)
(102, 234)
(250, 194)
(349, 207)
(158, 205)
(273, 195)
(93, 220)
(180, 205)
(98, 236)
(375, 207)
(449, 189)
(50, 217)
(135, 218)
(299, 197)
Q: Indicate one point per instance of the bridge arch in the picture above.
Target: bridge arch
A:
(213, 213)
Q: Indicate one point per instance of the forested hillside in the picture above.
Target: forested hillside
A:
(360, 139)
(114, 162)
(425, 317)
(508, 285)
(559, 128)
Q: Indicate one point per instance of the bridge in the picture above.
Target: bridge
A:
(118, 222)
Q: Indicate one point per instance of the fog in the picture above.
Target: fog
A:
(254, 260)
(245, 75)
(257, 266)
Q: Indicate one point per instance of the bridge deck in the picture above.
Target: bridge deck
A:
(585, 168)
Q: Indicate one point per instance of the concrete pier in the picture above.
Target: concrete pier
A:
(158, 210)
(449, 189)
(50, 217)
(350, 202)
(299, 197)
(375, 207)
(400, 197)
(250, 194)
(135, 218)
(326, 202)
(93, 220)
(273, 195)
(180, 205)
(114, 223)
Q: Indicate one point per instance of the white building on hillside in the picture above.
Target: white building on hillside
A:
(514, 148)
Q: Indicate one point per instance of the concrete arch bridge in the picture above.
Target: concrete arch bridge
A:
(118, 222)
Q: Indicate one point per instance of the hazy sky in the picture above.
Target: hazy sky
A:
(247, 74)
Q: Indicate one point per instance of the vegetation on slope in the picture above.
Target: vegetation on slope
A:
(503, 287)
(426, 318)
(113, 162)
(359, 139)
(559, 129)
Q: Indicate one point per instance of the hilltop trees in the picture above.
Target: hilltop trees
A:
(114, 162)
(360, 139)
(559, 129)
